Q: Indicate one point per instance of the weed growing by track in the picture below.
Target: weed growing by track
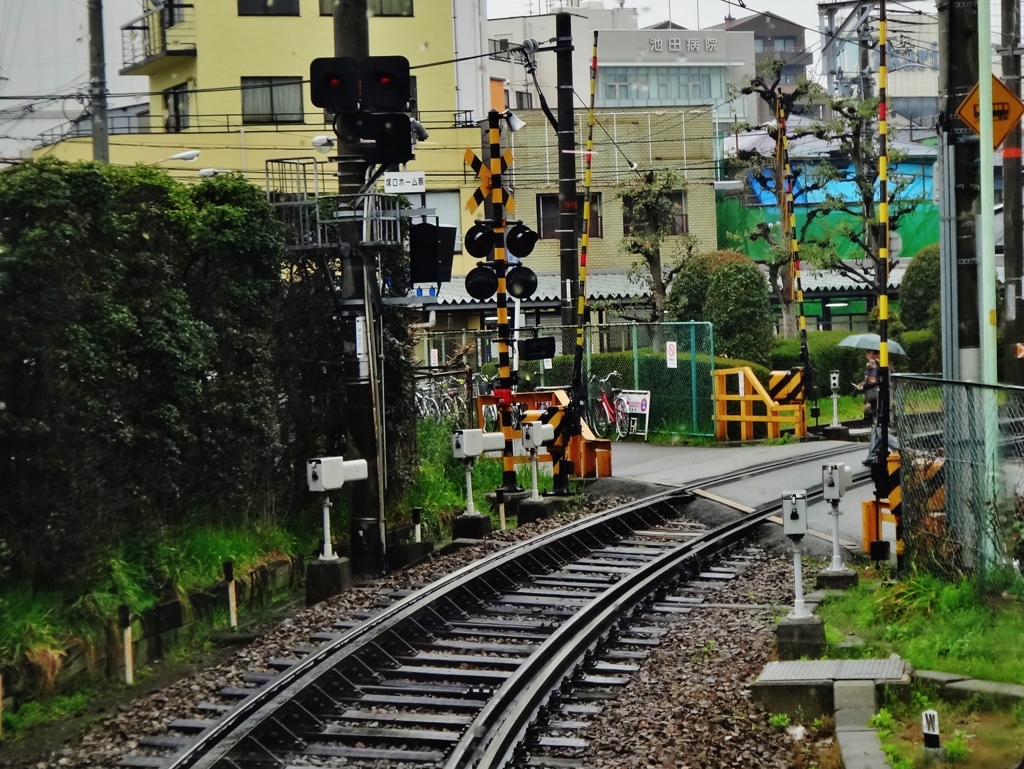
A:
(934, 625)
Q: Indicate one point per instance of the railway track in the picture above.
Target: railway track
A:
(497, 664)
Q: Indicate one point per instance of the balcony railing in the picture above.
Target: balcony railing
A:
(166, 30)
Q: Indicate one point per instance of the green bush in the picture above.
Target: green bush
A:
(826, 356)
(924, 352)
(738, 306)
(690, 288)
(920, 288)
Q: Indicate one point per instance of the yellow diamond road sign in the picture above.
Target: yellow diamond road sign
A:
(1007, 111)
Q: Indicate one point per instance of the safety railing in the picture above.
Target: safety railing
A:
(742, 400)
(165, 29)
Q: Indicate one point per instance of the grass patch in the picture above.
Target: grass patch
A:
(934, 625)
(47, 712)
(851, 409)
(440, 487)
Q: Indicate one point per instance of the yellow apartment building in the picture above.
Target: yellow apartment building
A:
(228, 78)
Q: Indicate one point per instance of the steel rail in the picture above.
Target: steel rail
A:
(500, 727)
(217, 741)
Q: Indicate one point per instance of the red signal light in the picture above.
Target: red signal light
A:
(384, 81)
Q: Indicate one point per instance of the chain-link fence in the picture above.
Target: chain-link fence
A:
(672, 362)
(962, 479)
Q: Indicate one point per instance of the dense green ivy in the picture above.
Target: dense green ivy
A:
(920, 289)
(162, 357)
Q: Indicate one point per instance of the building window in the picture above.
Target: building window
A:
(758, 45)
(547, 216)
(505, 105)
(661, 86)
(524, 100)
(176, 108)
(679, 224)
(268, 7)
(785, 44)
(173, 13)
(272, 100)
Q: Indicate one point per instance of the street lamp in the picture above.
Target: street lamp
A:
(207, 172)
(189, 156)
(323, 144)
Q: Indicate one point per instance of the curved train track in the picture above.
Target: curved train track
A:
(481, 667)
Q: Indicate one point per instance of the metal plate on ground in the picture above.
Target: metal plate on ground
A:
(836, 670)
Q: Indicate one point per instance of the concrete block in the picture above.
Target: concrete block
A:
(512, 501)
(858, 695)
(937, 677)
(325, 579)
(854, 719)
(471, 526)
(405, 554)
(531, 510)
(799, 638)
(1006, 695)
(861, 750)
(839, 433)
(457, 544)
(843, 579)
(802, 701)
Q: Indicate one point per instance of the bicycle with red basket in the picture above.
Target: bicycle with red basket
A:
(607, 407)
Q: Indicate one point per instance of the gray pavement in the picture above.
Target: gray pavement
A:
(683, 465)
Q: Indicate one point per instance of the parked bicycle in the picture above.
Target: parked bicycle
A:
(608, 407)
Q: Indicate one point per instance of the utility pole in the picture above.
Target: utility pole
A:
(362, 405)
(567, 206)
(959, 152)
(1013, 249)
(98, 84)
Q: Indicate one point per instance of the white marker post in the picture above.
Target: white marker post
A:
(535, 435)
(229, 578)
(467, 445)
(930, 728)
(417, 518)
(125, 616)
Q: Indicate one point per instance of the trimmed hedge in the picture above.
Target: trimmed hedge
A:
(924, 352)
(826, 356)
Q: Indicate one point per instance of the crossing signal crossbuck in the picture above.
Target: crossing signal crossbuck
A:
(375, 91)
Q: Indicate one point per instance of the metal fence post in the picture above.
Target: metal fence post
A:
(693, 376)
(636, 358)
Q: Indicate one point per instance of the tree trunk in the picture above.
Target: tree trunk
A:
(782, 285)
(657, 286)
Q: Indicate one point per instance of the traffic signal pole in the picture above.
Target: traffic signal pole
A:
(567, 205)
(366, 518)
(508, 477)
(1013, 248)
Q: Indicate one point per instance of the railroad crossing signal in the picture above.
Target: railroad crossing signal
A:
(483, 192)
(1007, 110)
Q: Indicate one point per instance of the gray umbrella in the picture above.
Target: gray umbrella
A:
(871, 342)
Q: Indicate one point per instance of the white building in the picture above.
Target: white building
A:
(661, 66)
(44, 52)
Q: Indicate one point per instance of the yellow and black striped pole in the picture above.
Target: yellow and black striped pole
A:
(884, 387)
(581, 303)
(508, 478)
(789, 221)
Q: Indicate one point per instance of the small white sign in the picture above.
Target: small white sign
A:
(405, 181)
(671, 355)
(637, 401)
(360, 336)
(433, 357)
(547, 364)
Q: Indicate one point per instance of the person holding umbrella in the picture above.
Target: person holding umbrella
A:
(869, 386)
(870, 343)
